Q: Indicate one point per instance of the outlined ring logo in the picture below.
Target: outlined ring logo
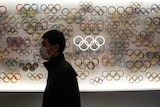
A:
(89, 42)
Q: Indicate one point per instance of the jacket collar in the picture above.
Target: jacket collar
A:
(53, 60)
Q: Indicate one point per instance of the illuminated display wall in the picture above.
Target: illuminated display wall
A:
(113, 45)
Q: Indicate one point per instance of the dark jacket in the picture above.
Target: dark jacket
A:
(62, 87)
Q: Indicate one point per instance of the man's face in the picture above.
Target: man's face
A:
(46, 44)
(52, 49)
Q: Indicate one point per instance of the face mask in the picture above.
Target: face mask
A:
(44, 54)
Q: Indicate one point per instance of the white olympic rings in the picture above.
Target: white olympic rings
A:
(88, 42)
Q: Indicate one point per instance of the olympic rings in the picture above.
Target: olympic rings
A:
(86, 62)
(97, 10)
(10, 77)
(54, 18)
(50, 8)
(136, 4)
(146, 37)
(27, 9)
(134, 78)
(35, 76)
(154, 46)
(109, 25)
(61, 27)
(34, 25)
(143, 11)
(109, 75)
(96, 80)
(153, 76)
(91, 26)
(118, 44)
(83, 74)
(89, 42)
(20, 45)
(28, 65)
(69, 15)
(136, 53)
(12, 29)
(107, 60)
(10, 62)
(141, 65)
(85, 4)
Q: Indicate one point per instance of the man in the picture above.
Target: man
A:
(62, 88)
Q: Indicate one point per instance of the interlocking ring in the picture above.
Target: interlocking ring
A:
(27, 9)
(136, 65)
(35, 76)
(129, 23)
(116, 11)
(61, 27)
(134, 78)
(96, 80)
(28, 65)
(10, 77)
(110, 25)
(89, 42)
(34, 25)
(91, 26)
(143, 11)
(97, 10)
(107, 60)
(136, 4)
(154, 46)
(136, 53)
(50, 8)
(13, 28)
(85, 4)
(17, 42)
(153, 76)
(109, 75)
(10, 62)
(152, 24)
(155, 8)
(147, 37)
(86, 62)
(54, 18)
(83, 74)
(118, 44)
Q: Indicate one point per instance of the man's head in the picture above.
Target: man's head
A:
(54, 42)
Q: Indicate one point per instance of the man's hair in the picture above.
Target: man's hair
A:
(55, 37)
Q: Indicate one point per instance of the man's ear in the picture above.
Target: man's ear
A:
(56, 47)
